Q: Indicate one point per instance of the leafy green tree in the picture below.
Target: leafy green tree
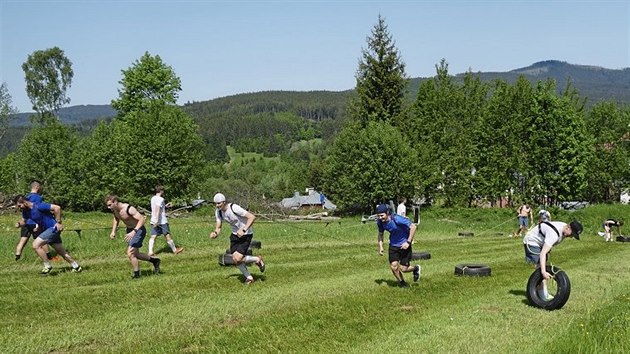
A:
(44, 154)
(381, 79)
(157, 146)
(609, 170)
(147, 81)
(48, 74)
(368, 165)
(6, 110)
(559, 147)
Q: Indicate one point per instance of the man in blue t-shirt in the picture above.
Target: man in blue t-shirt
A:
(26, 230)
(401, 233)
(48, 228)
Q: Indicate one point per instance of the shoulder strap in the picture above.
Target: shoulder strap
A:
(550, 225)
(221, 211)
(128, 207)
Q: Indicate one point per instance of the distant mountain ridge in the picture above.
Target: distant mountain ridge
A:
(592, 82)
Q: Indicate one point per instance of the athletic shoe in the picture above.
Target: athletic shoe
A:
(249, 280)
(151, 254)
(77, 269)
(261, 264)
(416, 272)
(55, 259)
(403, 284)
(156, 265)
(135, 276)
(549, 298)
(17, 257)
(179, 250)
(45, 271)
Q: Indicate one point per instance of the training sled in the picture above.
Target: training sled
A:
(562, 288)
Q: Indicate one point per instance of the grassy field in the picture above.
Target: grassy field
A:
(325, 290)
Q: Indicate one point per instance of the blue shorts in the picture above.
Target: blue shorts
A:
(523, 221)
(136, 241)
(161, 229)
(532, 254)
(51, 236)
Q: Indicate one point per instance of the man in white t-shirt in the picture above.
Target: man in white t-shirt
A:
(402, 208)
(539, 240)
(241, 221)
(159, 222)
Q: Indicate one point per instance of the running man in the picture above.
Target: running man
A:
(134, 235)
(241, 221)
(159, 222)
(401, 233)
(48, 227)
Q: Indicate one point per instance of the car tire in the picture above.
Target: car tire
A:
(420, 255)
(465, 234)
(560, 298)
(480, 270)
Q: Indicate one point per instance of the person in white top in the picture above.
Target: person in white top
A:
(539, 240)
(241, 221)
(159, 222)
(402, 208)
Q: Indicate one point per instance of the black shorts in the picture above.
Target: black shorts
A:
(27, 231)
(240, 244)
(397, 254)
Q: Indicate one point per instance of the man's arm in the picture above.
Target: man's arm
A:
(250, 220)
(380, 243)
(56, 210)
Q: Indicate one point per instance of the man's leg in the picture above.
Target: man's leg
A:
(37, 247)
(63, 253)
(151, 245)
(240, 264)
(20, 246)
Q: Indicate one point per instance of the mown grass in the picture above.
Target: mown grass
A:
(325, 290)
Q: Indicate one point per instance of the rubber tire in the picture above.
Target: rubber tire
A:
(480, 270)
(623, 239)
(249, 252)
(420, 255)
(561, 297)
(255, 244)
(465, 234)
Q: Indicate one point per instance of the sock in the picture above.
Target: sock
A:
(17, 257)
(172, 244)
(243, 268)
(250, 259)
(151, 243)
(47, 264)
(74, 265)
(136, 273)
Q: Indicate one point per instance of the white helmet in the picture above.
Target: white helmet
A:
(219, 197)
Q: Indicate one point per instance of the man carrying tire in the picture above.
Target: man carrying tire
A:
(540, 239)
(241, 221)
(401, 233)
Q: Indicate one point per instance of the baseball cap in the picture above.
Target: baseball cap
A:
(219, 197)
(576, 229)
(381, 208)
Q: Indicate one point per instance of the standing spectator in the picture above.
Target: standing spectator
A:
(322, 200)
(544, 215)
(241, 221)
(159, 222)
(401, 233)
(524, 215)
(540, 239)
(48, 227)
(402, 208)
(134, 235)
(27, 230)
(608, 225)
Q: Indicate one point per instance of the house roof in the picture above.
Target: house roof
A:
(312, 199)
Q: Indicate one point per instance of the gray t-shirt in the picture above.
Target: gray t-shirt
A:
(543, 233)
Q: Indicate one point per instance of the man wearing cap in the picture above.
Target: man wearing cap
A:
(540, 239)
(401, 233)
(241, 221)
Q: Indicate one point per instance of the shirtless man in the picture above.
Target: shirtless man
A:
(135, 233)
(524, 215)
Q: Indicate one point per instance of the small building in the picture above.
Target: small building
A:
(312, 200)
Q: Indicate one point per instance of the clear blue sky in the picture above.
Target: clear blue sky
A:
(221, 48)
